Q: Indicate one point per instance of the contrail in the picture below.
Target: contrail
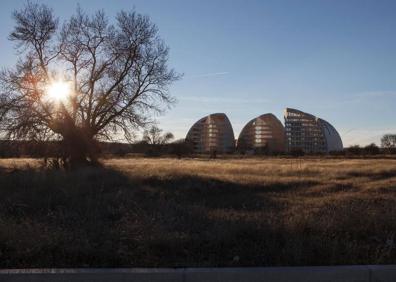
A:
(208, 74)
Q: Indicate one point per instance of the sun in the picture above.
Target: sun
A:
(58, 91)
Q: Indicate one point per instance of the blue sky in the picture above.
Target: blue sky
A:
(334, 59)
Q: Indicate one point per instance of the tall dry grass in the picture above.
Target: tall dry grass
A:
(169, 212)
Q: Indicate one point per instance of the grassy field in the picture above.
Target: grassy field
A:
(173, 213)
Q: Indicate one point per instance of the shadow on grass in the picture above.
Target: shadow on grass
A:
(218, 194)
(99, 217)
(382, 175)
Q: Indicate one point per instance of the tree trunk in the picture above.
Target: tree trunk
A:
(80, 148)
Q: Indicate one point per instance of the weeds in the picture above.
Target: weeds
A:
(171, 213)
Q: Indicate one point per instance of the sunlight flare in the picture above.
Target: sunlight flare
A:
(58, 91)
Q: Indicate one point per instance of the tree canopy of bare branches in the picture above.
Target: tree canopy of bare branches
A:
(388, 141)
(154, 136)
(117, 73)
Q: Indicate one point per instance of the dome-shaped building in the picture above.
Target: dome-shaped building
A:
(212, 133)
(263, 133)
(309, 133)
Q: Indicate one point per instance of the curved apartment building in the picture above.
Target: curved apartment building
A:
(263, 133)
(212, 133)
(309, 133)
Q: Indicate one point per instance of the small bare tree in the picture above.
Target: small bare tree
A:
(117, 75)
(154, 136)
(388, 142)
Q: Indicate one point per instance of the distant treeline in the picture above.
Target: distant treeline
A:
(9, 149)
(180, 148)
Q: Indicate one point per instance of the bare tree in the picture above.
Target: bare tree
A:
(388, 142)
(154, 136)
(117, 75)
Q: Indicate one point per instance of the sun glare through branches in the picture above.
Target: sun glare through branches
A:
(58, 91)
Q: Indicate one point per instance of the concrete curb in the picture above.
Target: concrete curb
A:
(358, 273)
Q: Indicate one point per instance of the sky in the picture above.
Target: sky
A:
(335, 59)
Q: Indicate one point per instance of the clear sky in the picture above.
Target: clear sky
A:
(335, 59)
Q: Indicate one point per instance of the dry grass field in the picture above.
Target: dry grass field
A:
(173, 213)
